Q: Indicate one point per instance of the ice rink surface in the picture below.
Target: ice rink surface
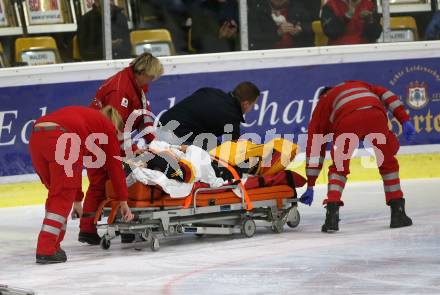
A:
(364, 257)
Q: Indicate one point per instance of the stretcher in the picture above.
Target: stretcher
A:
(206, 211)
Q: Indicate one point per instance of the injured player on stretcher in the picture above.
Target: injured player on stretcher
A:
(176, 168)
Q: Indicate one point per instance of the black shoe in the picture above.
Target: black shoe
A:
(127, 238)
(89, 238)
(398, 215)
(331, 217)
(58, 257)
(63, 253)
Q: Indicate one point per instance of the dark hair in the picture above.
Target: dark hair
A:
(246, 91)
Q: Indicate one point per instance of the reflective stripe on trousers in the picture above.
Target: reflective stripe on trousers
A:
(53, 217)
(313, 171)
(336, 183)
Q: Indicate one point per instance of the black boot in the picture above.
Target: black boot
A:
(398, 215)
(127, 238)
(58, 257)
(89, 238)
(63, 253)
(331, 217)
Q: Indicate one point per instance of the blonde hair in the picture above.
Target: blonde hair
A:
(113, 115)
(147, 64)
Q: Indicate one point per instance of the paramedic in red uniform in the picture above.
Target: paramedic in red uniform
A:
(356, 108)
(59, 167)
(350, 22)
(126, 92)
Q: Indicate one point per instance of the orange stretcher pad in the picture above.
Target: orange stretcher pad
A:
(143, 196)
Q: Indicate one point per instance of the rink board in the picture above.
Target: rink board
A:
(287, 79)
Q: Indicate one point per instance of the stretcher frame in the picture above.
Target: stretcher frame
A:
(153, 223)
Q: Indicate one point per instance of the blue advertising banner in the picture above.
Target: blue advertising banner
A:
(284, 107)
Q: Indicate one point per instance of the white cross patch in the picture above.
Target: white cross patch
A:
(124, 102)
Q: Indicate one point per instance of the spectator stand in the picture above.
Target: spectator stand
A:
(156, 41)
(403, 29)
(36, 51)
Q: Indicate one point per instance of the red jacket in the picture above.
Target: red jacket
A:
(354, 28)
(340, 101)
(122, 92)
(84, 121)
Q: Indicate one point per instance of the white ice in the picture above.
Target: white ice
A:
(364, 257)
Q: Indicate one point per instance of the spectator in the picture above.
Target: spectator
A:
(90, 33)
(214, 26)
(313, 7)
(433, 29)
(164, 14)
(350, 22)
(279, 24)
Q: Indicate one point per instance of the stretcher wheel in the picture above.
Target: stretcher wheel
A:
(277, 226)
(248, 228)
(105, 243)
(154, 244)
(293, 218)
(179, 229)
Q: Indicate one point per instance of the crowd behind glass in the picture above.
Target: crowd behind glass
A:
(202, 26)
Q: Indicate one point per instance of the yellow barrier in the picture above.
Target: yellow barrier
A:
(411, 166)
(26, 193)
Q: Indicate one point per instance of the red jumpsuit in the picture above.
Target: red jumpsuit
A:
(358, 108)
(121, 92)
(355, 26)
(63, 188)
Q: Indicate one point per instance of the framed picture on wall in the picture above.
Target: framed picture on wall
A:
(3, 18)
(44, 12)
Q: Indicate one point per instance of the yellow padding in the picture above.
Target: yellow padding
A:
(404, 22)
(151, 36)
(35, 43)
(411, 166)
(75, 48)
(26, 193)
(320, 38)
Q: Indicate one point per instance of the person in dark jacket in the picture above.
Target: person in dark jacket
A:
(279, 24)
(209, 111)
(214, 26)
(350, 22)
(433, 29)
(90, 33)
(313, 7)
